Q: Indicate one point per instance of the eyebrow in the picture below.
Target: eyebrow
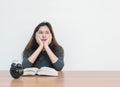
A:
(44, 31)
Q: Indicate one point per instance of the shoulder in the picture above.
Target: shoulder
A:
(57, 49)
(27, 53)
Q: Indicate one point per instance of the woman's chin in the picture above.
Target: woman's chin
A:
(43, 41)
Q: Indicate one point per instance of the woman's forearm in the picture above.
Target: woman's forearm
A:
(34, 56)
(51, 55)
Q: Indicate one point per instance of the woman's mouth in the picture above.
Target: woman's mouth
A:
(43, 39)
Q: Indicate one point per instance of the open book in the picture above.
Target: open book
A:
(44, 71)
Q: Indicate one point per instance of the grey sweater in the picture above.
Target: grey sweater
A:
(44, 60)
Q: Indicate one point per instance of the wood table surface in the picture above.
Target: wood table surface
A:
(65, 79)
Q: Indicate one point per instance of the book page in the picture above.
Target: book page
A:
(30, 71)
(47, 71)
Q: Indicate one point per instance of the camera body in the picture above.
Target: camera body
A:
(16, 70)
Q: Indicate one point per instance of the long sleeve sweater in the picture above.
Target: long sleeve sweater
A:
(44, 60)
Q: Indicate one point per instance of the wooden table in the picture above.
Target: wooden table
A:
(65, 79)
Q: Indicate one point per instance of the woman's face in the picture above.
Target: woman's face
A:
(44, 33)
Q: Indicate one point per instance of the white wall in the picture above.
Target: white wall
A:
(88, 30)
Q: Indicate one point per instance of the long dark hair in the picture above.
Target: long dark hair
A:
(32, 44)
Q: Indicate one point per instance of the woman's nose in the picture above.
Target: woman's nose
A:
(43, 36)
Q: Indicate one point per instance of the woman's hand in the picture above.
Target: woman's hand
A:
(38, 40)
(48, 41)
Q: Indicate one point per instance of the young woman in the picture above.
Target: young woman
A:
(43, 49)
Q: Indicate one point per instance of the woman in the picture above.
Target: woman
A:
(43, 49)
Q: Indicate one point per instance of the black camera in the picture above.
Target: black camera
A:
(16, 70)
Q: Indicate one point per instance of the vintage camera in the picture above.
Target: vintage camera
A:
(16, 70)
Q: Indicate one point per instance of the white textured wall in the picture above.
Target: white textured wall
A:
(88, 30)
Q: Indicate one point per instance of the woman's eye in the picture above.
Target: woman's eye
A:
(47, 32)
(40, 32)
